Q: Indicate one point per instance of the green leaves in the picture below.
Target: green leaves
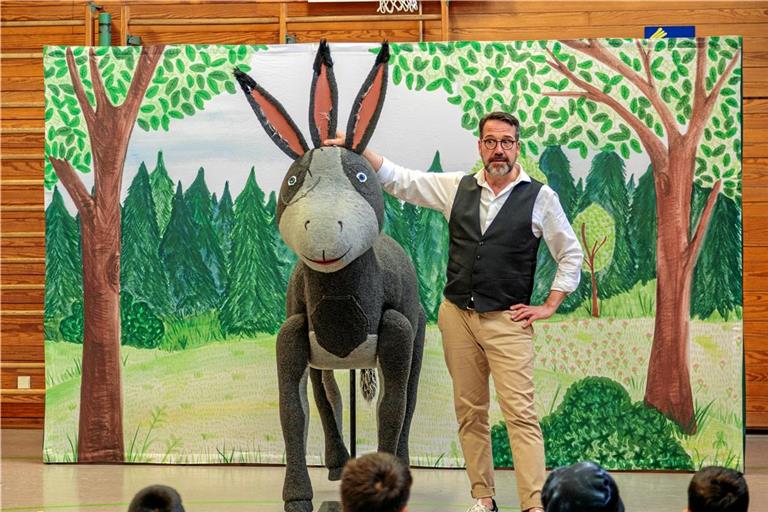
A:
(188, 77)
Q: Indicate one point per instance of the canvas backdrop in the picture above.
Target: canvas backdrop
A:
(641, 368)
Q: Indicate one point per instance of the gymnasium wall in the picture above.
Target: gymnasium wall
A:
(29, 25)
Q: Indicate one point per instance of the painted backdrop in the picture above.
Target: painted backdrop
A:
(166, 276)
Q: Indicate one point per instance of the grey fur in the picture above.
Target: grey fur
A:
(352, 301)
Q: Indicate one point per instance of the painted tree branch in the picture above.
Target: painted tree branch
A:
(699, 93)
(715, 92)
(145, 70)
(88, 113)
(74, 185)
(652, 144)
(591, 253)
(598, 51)
(704, 103)
(102, 102)
(646, 58)
(698, 237)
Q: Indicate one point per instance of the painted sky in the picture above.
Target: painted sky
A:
(226, 138)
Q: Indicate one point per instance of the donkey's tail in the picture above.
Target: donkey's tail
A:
(368, 383)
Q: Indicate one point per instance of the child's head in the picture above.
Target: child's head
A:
(581, 487)
(716, 489)
(156, 498)
(377, 482)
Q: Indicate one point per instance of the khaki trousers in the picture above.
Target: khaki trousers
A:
(477, 345)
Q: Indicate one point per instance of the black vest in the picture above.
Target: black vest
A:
(494, 268)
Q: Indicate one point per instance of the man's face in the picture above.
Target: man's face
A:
(498, 161)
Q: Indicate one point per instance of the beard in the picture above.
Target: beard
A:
(499, 166)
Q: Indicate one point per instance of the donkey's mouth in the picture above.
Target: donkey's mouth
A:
(324, 261)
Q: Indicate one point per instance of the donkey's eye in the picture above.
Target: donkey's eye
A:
(291, 181)
(361, 177)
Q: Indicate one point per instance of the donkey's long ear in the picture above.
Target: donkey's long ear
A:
(273, 117)
(324, 97)
(367, 107)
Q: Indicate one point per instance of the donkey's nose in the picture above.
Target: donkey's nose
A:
(305, 225)
(341, 226)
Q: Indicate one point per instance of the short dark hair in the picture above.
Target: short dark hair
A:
(156, 498)
(581, 487)
(377, 482)
(501, 116)
(718, 489)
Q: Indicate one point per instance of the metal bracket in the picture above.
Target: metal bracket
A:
(133, 40)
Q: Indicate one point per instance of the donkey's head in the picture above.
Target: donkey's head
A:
(330, 208)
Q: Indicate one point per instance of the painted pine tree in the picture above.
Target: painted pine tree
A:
(223, 222)
(642, 227)
(286, 257)
(190, 282)
(393, 218)
(198, 200)
(141, 271)
(606, 186)
(254, 301)
(556, 167)
(430, 252)
(162, 193)
(717, 283)
(63, 266)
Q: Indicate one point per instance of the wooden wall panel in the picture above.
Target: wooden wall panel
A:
(27, 26)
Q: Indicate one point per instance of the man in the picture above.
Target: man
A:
(581, 487)
(496, 219)
(377, 482)
(717, 489)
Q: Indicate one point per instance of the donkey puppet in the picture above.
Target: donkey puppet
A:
(352, 299)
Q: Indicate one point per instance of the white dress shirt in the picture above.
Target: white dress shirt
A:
(438, 190)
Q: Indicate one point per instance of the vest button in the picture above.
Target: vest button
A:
(482, 243)
(478, 257)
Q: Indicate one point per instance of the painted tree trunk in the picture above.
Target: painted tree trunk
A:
(595, 303)
(101, 398)
(668, 387)
(100, 436)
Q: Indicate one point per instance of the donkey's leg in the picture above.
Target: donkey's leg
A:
(329, 405)
(395, 352)
(413, 387)
(292, 363)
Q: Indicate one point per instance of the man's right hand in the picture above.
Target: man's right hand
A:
(339, 140)
(373, 158)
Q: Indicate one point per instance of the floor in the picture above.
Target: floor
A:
(29, 485)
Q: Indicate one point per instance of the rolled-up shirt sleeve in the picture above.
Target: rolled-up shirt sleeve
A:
(551, 223)
(435, 190)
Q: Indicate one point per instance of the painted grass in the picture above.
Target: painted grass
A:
(218, 402)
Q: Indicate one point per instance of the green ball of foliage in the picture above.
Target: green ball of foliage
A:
(598, 421)
(71, 327)
(139, 325)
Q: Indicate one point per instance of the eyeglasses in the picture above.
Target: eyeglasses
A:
(506, 144)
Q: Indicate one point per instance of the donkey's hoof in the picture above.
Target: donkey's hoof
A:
(298, 506)
(334, 474)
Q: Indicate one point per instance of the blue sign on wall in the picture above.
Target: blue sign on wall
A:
(673, 31)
